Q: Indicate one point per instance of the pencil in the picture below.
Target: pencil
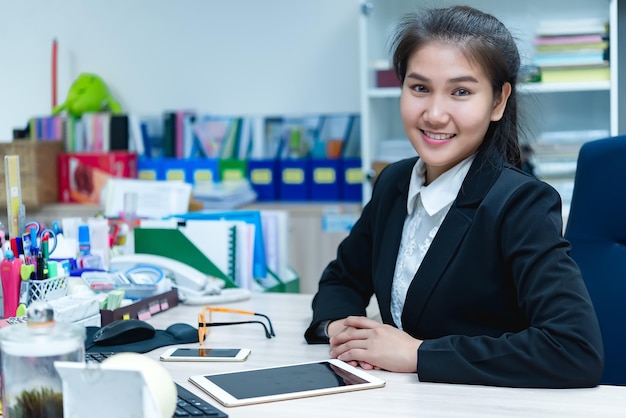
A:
(54, 72)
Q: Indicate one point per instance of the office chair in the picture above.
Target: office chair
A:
(596, 228)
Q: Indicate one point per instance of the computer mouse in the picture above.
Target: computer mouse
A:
(123, 331)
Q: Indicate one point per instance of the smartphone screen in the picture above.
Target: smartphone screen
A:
(205, 354)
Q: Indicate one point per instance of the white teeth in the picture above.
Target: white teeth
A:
(438, 136)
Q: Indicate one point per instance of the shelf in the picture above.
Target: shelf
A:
(393, 92)
(564, 87)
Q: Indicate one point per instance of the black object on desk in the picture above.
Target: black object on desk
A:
(174, 334)
(123, 331)
(187, 404)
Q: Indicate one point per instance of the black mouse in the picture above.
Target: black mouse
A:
(123, 331)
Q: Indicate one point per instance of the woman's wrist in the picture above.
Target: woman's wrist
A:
(326, 324)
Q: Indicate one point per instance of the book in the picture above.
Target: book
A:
(569, 58)
(571, 47)
(575, 74)
(182, 119)
(276, 239)
(169, 134)
(352, 144)
(583, 26)
(211, 132)
(118, 133)
(231, 141)
(569, 39)
(137, 143)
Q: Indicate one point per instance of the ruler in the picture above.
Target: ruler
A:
(15, 208)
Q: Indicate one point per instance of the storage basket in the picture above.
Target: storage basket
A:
(48, 289)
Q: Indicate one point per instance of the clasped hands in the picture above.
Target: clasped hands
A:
(367, 343)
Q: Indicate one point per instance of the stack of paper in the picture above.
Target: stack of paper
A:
(224, 195)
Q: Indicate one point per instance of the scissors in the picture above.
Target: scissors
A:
(37, 233)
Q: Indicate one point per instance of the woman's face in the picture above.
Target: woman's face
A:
(446, 106)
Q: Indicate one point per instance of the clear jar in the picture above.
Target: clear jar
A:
(31, 386)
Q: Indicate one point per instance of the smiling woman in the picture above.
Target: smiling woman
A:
(447, 104)
(464, 250)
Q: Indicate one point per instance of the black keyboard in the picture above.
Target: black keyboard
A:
(189, 405)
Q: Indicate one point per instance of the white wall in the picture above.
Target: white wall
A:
(214, 56)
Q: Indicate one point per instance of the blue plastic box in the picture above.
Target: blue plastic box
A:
(202, 169)
(264, 178)
(293, 179)
(351, 180)
(324, 177)
(149, 168)
(173, 169)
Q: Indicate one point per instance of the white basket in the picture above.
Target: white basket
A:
(48, 289)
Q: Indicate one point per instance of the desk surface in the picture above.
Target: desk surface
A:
(403, 395)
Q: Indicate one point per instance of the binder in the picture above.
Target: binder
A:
(172, 243)
(165, 238)
(253, 217)
(218, 248)
(217, 240)
(118, 133)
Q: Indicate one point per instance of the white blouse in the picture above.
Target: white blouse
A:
(427, 206)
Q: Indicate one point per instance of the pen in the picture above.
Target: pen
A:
(40, 266)
(44, 249)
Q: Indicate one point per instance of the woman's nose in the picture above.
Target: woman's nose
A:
(435, 111)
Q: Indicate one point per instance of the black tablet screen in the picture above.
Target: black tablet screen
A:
(281, 380)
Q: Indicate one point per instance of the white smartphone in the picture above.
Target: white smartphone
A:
(205, 354)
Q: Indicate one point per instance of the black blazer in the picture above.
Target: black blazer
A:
(497, 298)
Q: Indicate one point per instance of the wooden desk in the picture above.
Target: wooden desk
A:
(403, 395)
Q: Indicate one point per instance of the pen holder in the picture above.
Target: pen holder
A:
(48, 289)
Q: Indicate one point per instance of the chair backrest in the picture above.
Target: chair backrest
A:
(596, 228)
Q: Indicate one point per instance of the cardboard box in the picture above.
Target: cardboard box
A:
(38, 171)
(83, 175)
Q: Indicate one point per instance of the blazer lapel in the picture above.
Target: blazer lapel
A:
(477, 183)
(389, 248)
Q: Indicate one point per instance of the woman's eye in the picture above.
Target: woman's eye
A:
(420, 88)
(461, 92)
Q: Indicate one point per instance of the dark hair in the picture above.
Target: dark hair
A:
(484, 41)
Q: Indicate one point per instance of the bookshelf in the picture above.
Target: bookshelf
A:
(590, 108)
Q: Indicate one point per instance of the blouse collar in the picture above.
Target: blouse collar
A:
(440, 192)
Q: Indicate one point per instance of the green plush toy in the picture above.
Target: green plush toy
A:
(89, 93)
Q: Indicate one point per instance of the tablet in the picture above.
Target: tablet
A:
(245, 387)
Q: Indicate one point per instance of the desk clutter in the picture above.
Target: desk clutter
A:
(44, 375)
(138, 257)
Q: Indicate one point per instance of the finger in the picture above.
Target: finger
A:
(360, 322)
(339, 349)
(366, 366)
(350, 334)
(355, 354)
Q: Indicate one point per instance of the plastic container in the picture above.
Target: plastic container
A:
(31, 385)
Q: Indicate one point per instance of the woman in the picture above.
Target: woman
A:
(463, 250)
